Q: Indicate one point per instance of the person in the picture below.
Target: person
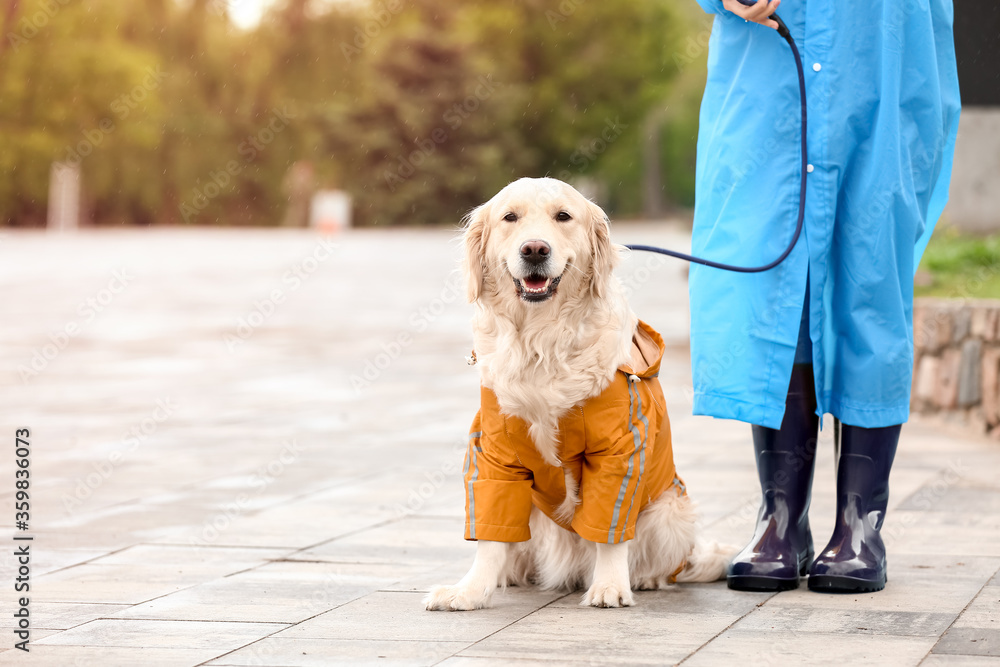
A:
(830, 330)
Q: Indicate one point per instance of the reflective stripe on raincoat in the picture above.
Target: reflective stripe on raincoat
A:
(617, 446)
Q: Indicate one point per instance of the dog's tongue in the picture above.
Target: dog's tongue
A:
(535, 282)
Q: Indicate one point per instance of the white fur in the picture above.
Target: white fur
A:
(567, 508)
(476, 588)
(611, 587)
(542, 359)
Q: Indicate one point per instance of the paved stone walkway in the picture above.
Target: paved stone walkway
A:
(246, 450)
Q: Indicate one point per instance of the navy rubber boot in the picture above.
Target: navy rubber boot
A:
(854, 560)
(782, 548)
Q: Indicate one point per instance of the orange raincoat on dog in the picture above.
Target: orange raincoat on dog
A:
(616, 445)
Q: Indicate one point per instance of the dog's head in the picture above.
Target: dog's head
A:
(535, 238)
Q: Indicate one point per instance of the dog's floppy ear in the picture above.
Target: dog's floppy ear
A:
(474, 259)
(605, 255)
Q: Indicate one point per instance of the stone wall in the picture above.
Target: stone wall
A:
(957, 361)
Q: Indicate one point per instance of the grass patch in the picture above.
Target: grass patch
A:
(956, 265)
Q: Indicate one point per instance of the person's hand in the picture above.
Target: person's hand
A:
(758, 13)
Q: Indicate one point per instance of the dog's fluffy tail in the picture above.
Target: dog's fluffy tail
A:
(708, 561)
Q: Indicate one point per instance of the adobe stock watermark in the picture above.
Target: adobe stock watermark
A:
(433, 481)
(292, 279)
(29, 26)
(453, 118)
(566, 9)
(130, 442)
(264, 476)
(88, 310)
(419, 321)
(589, 151)
(643, 274)
(761, 325)
(695, 46)
(122, 107)
(252, 146)
(326, 594)
(377, 19)
(925, 499)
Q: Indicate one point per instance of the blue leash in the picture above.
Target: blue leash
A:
(784, 32)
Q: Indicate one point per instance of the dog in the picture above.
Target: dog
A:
(569, 476)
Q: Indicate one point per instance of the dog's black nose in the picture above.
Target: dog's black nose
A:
(535, 252)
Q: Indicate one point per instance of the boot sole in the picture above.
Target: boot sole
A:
(760, 584)
(749, 582)
(829, 583)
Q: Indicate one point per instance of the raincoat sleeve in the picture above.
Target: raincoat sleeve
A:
(497, 489)
(613, 481)
(712, 6)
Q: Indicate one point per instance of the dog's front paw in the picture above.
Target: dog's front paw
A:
(607, 594)
(455, 598)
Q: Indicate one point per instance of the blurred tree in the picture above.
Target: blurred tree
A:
(420, 108)
(9, 16)
(431, 131)
(588, 66)
(294, 15)
(71, 81)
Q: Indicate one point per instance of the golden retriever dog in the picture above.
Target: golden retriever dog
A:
(569, 475)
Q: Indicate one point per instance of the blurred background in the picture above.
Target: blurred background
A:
(396, 113)
(244, 414)
(231, 112)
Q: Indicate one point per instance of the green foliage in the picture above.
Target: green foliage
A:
(60, 86)
(420, 108)
(960, 266)
(430, 132)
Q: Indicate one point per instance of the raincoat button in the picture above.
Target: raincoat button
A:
(817, 67)
(810, 168)
(633, 378)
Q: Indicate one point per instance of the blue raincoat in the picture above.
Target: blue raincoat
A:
(883, 106)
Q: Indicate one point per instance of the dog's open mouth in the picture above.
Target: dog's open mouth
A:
(536, 288)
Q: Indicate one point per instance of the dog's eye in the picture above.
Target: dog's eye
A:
(510, 217)
(563, 216)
